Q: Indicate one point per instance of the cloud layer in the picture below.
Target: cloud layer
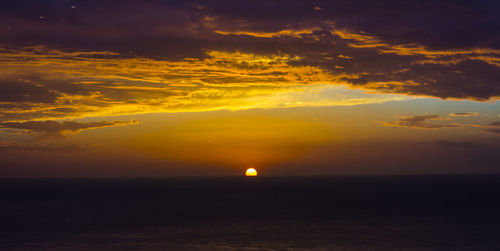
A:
(64, 62)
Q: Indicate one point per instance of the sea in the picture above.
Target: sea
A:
(419, 212)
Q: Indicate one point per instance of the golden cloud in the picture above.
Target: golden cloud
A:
(362, 40)
(52, 84)
(286, 32)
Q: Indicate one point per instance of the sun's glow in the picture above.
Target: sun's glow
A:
(251, 172)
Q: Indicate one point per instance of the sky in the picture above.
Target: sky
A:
(171, 88)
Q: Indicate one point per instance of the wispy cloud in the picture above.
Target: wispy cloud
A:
(59, 129)
(493, 127)
(421, 122)
(297, 33)
(464, 114)
(10, 146)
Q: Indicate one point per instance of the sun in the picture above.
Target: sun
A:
(251, 172)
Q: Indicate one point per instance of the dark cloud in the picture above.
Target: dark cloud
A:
(497, 123)
(420, 122)
(435, 24)
(19, 91)
(57, 129)
(44, 148)
(493, 127)
(494, 130)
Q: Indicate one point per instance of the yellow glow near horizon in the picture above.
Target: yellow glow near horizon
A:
(233, 138)
(251, 172)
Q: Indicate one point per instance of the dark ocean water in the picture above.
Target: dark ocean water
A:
(252, 213)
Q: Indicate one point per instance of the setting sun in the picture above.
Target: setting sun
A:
(251, 172)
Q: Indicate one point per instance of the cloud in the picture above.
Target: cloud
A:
(45, 148)
(420, 122)
(492, 127)
(62, 85)
(493, 130)
(464, 114)
(495, 124)
(199, 56)
(59, 129)
(280, 33)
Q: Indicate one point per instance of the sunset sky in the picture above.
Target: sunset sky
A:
(159, 88)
